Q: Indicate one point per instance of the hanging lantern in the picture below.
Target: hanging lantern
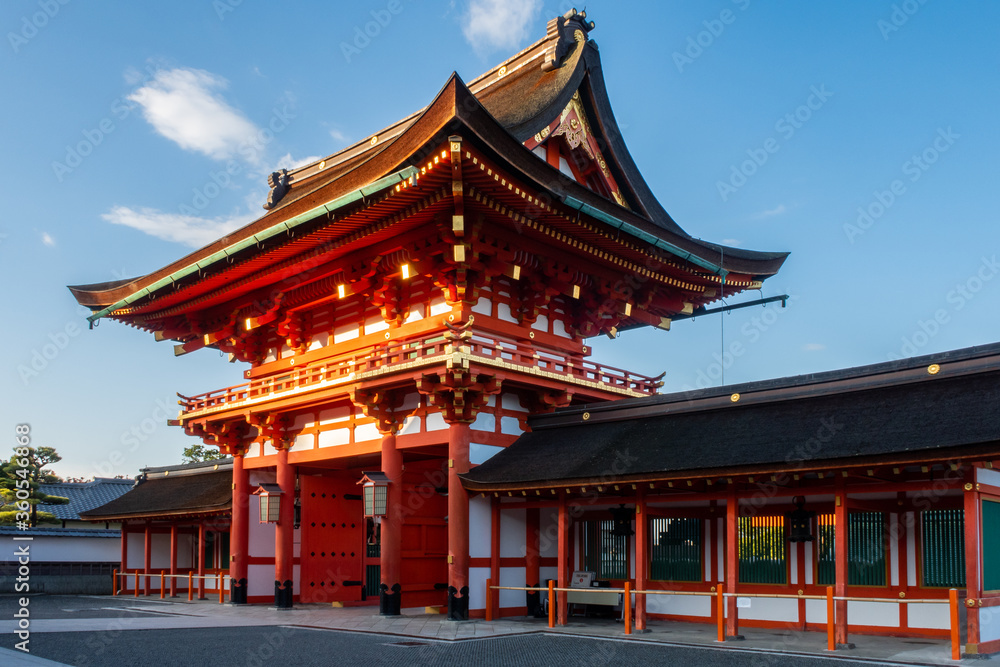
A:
(799, 522)
(270, 502)
(622, 516)
(375, 490)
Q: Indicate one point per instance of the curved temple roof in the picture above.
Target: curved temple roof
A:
(499, 110)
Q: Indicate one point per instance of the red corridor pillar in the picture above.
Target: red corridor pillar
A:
(459, 434)
(641, 560)
(565, 526)
(840, 564)
(284, 539)
(239, 537)
(732, 562)
(390, 595)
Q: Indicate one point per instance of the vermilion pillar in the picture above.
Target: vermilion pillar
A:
(458, 522)
(732, 562)
(564, 558)
(391, 531)
(124, 554)
(973, 567)
(641, 560)
(284, 536)
(147, 555)
(840, 563)
(239, 533)
(201, 560)
(173, 560)
(532, 571)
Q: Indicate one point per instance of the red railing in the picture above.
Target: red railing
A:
(397, 353)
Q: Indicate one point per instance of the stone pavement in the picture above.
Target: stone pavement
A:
(154, 614)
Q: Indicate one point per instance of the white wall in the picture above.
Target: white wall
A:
(480, 533)
(512, 533)
(52, 549)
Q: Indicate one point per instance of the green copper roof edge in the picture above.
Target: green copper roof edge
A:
(644, 236)
(328, 207)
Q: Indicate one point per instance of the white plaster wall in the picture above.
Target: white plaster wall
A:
(303, 443)
(365, 432)
(935, 616)
(559, 329)
(484, 306)
(185, 550)
(410, 425)
(439, 306)
(479, 528)
(75, 549)
(541, 323)
(375, 324)
(334, 437)
(260, 580)
(511, 402)
(816, 611)
(989, 620)
(135, 551)
(680, 605)
(485, 421)
(481, 453)
(435, 422)
(503, 313)
(548, 527)
(767, 609)
(261, 542)
(512, 534)
(334, 415)
(987, 476)
(477, 587)
(511, 576)
(510, 426)
(160, 547)
(879, 614)
(344, 333)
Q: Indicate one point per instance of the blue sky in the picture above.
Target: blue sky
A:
(859, 135)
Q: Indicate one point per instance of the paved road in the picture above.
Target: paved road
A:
(285, 646)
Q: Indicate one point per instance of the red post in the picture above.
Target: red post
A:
(489, 599)
(495, 552)
(173, 560)
(564, 565)
(390, 557)
(163, 583)
(732, 562)
(641, 560)
(840, 560)
(201, 560)
(459, 435)
(284, 542)
(956, 640)
(239, 529)
(221, 580)
(147, 556)
(973, 560)
(720, 610)
(114, 583)
(190, 586)
(831, 640)
(137, 583)
(627, 602)
(552, 606)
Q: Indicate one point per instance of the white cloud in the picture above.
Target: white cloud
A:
(47, 239)
(186, 229)
(498, 24)
(770, 213)
(184, 106)
(813, 347)
(286, 161)
(734, 243)
(338, 136)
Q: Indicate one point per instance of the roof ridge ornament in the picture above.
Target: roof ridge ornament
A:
(278, 182)
(571, 27)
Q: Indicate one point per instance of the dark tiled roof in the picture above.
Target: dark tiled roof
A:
(896, 411)
(59, 532)
(170, 496)
(83, 496)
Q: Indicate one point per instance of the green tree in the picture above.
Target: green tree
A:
(25, 473)
(199, 452)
